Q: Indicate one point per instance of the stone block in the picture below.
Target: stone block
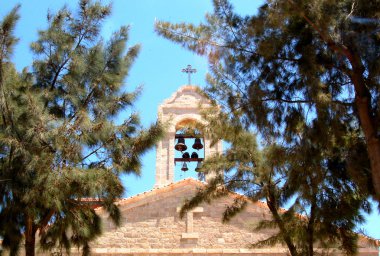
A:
(190, 235)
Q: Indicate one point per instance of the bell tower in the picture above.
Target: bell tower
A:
(181, 110)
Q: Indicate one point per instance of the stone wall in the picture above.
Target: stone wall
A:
(152, 221)
(151, 225)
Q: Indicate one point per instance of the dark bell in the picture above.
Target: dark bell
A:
(197, 144)
(194, 155)
(199, 166)
(184, 167)
(186, 155)
(180, 146)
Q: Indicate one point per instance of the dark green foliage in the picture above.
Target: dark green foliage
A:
(304, 76)
(59, 142)
(296, 65)
(324, 202)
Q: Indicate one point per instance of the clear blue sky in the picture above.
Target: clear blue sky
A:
(158, 67)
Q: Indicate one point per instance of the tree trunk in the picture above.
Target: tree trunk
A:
(30, 237)
(372, 141)
(367, 122)
(271, 202)
(362, 101)
(310, 227)
(30, 245)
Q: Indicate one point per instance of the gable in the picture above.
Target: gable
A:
(151, 225)
(151, 222)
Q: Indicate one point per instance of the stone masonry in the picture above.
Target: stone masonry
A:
(151, 226)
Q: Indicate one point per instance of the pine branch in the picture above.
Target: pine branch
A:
(348, 104)
(211, 43)
(43, 224)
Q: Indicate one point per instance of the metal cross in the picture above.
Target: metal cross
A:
(189, 71)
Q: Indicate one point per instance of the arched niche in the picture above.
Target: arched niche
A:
(190, 153)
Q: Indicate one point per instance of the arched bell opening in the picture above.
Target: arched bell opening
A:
(189, 147)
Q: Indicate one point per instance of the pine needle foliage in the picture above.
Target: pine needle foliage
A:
(59, 139)
(324, 203)
(303, 76)
(298, 65)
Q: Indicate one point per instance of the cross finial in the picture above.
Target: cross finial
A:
(189, 71)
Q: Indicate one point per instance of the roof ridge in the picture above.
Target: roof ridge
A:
(164, 188)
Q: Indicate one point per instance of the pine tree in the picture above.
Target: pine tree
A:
(324, 203)
(303, 76)
(297, 65)
(60, 140)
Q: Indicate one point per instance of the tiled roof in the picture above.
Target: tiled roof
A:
(172, 186)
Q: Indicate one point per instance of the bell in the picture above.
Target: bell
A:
(180, 146)
(197, 144)
(186, 155)
(184, 167)
(194, 155)
(199, 166)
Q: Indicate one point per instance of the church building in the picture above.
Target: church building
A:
(151, 224)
